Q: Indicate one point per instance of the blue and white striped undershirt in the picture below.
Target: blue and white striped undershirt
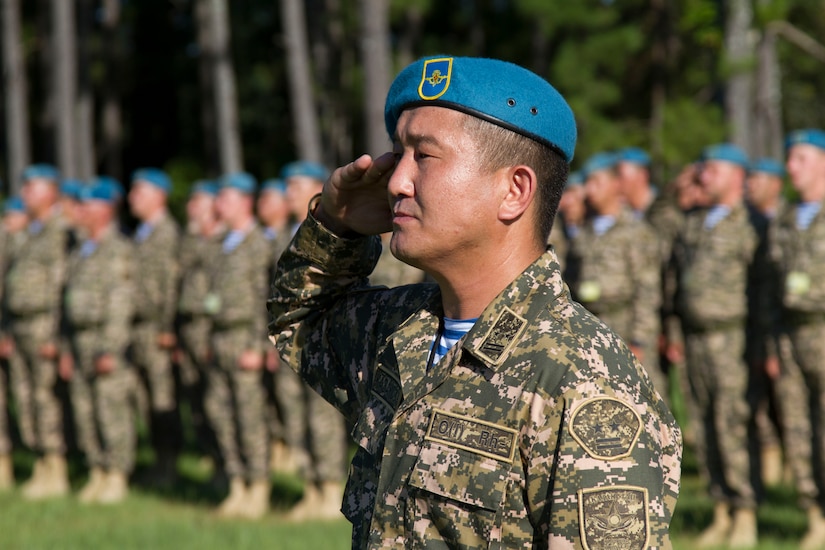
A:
(805, 214)
(453, 331)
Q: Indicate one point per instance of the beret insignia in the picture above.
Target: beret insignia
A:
(435, 78)
(606, 428)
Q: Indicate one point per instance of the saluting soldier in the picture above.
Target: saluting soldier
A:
(714, 254)
(483, 404)
(618, 266)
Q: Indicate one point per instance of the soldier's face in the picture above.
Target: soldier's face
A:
(601, 190)
(271, 206)
(444, 205)
(15, 221)
(806, 166)
(717, 178)
(299, 191)
(761, 189)
(145, 199)
(199, 207)
(38, 194)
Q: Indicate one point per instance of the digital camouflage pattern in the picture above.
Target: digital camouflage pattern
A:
(235, 399)
(799, 321)
(714, 267)
(33, 286)
(156, 282)
(482, 450)
(98, 306)
(618, 279)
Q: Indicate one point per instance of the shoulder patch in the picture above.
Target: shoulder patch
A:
(614, 517)
(501, 336)
(605, 427)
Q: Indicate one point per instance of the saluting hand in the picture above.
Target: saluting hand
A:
(355, 198)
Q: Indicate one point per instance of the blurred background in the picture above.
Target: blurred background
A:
(204, 87)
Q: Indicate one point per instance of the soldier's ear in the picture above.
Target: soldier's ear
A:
(521, 188)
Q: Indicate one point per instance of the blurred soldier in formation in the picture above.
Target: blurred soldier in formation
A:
(235, 400)
(98, 303)
(193, 324)
(616, 259)
(69, 208)
(273, 213)
(14, 223)
(33, 284)
(714, 252)
(798, 248)
(314, 430)
(156, 283)
(763, 189)
(569, 218)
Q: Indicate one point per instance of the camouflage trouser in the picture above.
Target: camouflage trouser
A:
(236, 406)
(312, 427)
(102, 407)
(719, 384)
(5, 441)
(194, 342)
(34, 382)
(801, 392)
(154, 365)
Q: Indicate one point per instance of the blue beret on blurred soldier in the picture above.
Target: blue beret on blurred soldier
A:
(476, 401)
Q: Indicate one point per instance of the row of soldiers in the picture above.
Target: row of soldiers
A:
(726, 275)
(143, 321)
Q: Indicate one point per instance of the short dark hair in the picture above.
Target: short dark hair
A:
(499, 147)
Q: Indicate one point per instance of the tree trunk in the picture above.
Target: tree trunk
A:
(84, 136)
(226, 103)
(304, 118)
(739, 55)
(768, 129)
(375, 54)
(64, 84)
(17, 107)
(206, 61)
(112, 142)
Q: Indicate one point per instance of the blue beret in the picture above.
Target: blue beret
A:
(634, 155)
(46, 171)
(101, 189)
(71, 188)
(727, 152)
(305, 168)
(496, 91)
(114, 184)
(810, 136)
(599, 161)
(14, 204)
(274, 184)
(155, 176)
(242, 181)
(207, 187)
(574, 179)
(767, 166)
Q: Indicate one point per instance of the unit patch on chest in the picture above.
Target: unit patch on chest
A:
(606, 428)
(477, 436)
(614, 518)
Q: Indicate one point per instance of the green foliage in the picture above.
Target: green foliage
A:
(689, 127)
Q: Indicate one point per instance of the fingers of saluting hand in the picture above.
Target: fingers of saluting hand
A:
(366, 171)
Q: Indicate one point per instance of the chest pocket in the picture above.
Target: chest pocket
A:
(457, 496)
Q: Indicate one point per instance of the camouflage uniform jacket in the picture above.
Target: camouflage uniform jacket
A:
(539, 429)
(619, 277)
(156, 278)
(35, 275)
(237, 282)
(713, 268)
(195, 254)
(99, 292)
(799, 257)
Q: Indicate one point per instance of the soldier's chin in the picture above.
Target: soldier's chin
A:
(403, 254)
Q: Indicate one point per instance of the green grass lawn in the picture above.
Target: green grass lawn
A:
(181, 518)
